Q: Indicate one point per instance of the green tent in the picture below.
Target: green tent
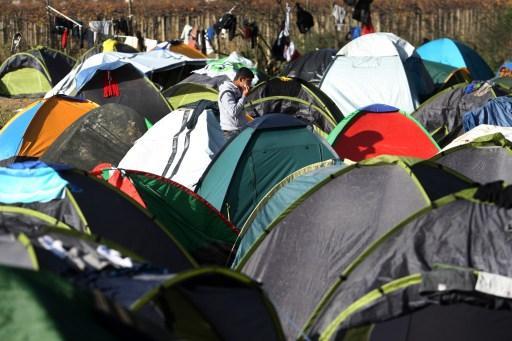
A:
(182, 94)
(195, 224)
(39, 306)
(34, 72)
(446, 75)
(267, 150)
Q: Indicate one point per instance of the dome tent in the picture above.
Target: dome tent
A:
(34, 72)
(311, 66)
(266, 151)
(377, 68)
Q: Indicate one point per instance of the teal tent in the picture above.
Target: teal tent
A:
(268, 150)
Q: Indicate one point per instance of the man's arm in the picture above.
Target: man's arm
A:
(232, 105)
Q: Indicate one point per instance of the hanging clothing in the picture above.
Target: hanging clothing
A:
(64, 38)
(185, 34)
(362, 11)
(103, 27)
(304, 19)
(339, 13)
(228, 22)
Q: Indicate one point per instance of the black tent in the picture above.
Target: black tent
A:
(104, 134)
(312, 242)
(135, 91)
(456, 252)
(295, 97)
(311, 66)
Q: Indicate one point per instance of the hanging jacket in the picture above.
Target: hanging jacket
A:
(304, 19)
(227, 22)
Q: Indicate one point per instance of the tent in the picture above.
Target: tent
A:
(179, 147)
(34, 72)
(211, 304)
(377, 68)
(228, 66)
(184, 93)
(278, 199)
(90, 205)
(496, 111)
(380, 129)
(478, 132)
(446, 259)
(31, 132)
(505, 69)
(104, 134)
(127, 79)
(442, 114)
(295, 97)
(267, 150)
(451, 52)
(180, 47)
(58, 311)
(445, 76)
(304, 250)
(311, 66)
(485, 159)
(197, 225)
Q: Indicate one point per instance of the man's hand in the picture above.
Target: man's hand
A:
(246, 89)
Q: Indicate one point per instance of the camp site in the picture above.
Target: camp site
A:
(310, 170)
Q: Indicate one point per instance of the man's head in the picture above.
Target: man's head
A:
(243, 78)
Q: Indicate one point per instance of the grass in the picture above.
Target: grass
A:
(10, 106)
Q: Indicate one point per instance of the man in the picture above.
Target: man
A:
(231, 102)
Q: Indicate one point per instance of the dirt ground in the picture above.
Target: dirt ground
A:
(10, 106)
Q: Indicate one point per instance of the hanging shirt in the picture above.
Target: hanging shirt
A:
(339, 13)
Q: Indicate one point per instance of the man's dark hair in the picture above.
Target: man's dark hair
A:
(244, 73)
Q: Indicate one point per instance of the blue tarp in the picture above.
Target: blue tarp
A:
(454, 53)
(28, 182)
(11, 135)
(497, 112)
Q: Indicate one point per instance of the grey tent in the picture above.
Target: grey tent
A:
(445, 259)
(303, 251)
(211, 304)
(486, 159)
(442, 114)
(103, 135)
(311, 66)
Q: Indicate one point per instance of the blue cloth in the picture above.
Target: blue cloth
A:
(496, 112)
(11, 135)
(29, 182)
(379, 108)
(210, 33)
(355, 32)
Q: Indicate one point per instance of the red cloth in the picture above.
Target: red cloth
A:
(64, 38)
(110, 87)
(367, 29)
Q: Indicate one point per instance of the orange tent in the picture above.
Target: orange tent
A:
(54, 116)
(186, 50)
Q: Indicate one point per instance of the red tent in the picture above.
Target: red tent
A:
(378, 130)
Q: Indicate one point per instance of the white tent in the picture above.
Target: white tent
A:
(477, 132)
(377, 68)
(179, 147)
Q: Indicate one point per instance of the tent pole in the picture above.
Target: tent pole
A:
(49, 32)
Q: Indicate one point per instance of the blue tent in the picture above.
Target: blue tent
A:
(11, 134)
(505, 70)
(451, 52)
(497, 112)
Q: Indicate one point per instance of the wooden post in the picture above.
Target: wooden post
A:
(49, 40)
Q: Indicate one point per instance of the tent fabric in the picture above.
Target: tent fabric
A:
(295, 97)
(496, 112)
(311, 66)
(11, 135)
(176, 151)
(33, 72)
(183, 94)
(457, 233)
(442, 114)
(213, 304)
(104, 134)
(485, 159)
(445, 76)
(52, 118)
(181, 48)
(57, 310)
(135, 91)
(360, 74)
(379, 130)
(267, 150)
(228, 66)
(197, 225)
(93, 206)
(38, 184)
(478, 132)
(278, 199)
(304, 251)
(212, 82)
(451, 52)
